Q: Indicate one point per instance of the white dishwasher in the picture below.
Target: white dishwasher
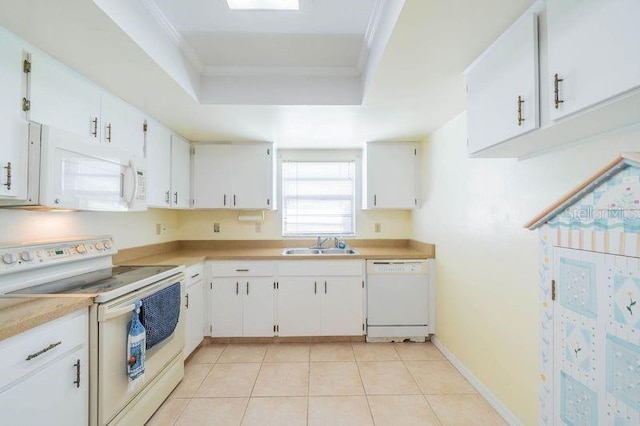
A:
(400, 300)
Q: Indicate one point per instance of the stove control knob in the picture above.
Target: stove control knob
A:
(26, 256)
(9, 258)
(107, 244)
(81, 248)
(99, 245)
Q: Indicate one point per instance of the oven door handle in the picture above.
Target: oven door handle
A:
(107, 314)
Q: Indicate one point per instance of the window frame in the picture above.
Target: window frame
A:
(321, 155)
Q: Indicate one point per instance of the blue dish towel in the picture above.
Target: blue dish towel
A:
(160, 314)
(136, 346)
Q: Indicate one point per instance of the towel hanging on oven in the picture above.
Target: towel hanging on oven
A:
(160, 314)
(136, 346)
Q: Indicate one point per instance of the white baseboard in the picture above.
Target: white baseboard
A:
(507, 415)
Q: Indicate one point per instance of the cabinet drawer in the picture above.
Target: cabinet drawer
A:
(323, 268)
(239, 268)
(42, 345)
(194, 273)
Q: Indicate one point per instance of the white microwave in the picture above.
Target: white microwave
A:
(67, 171)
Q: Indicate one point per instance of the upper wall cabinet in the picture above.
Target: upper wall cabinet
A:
(502, 88)
(13, 144)
(232, 176)
(180, 165)
(122, 125)
(168, 167)
(391, 175)
(589, 78)
(594, 52)
(63, 99)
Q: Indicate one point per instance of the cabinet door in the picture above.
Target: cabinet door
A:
(210, 176)
(258, 307)
(252, 176)
(13, 144)
(594, 47)
(342, 306)
(194, 311)
(226, 308)
(502, 89)
(63, 99)
(299, 306)
(180, 160)
(122, 125)
(391, 175)
(50, 396)
(158, 142)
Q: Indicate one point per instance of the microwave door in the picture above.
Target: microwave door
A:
(84, 182)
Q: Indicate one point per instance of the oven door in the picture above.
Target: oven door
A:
(114, 391)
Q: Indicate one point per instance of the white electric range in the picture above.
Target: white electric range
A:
(84, 267)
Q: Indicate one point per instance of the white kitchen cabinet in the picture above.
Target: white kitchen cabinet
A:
(391, 175)
(194, 308)
(233, 176)
(168, 162)
(158, 143)
(61, 98)
(242, 298)
(299, 307)
(594, 49)
(180, 165)
(122, 125)
(320, 298)
(14, 144)
(44, 376)
(502, 88)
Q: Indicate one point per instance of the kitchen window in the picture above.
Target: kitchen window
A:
(318, 197)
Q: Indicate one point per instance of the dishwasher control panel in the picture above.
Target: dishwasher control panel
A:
(397, 267)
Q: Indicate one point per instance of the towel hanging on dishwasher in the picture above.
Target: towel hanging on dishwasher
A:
(160, 314)
(136, 346)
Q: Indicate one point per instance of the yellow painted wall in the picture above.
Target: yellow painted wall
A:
(487, 270)
(129, 229)
(198, 225)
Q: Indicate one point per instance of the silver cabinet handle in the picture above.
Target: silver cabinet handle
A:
(556, 91)
(325, 287)
(40, 352)
(242, 270)
(187, 297)
(234, 200)
(8, 169)
(224, 200)
(109, 132)
(94, 132)
(247, 288)
(237, 291)
(193, 276)
(175, 197)
(315, 287)
(167, 197)
(77, 380)
(375, 199)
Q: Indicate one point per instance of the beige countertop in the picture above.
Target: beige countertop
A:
(19, 314)
(192, 256)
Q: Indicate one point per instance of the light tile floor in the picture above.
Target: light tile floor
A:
(323, 384)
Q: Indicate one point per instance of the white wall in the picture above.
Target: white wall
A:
(129, 229)
(487, 263)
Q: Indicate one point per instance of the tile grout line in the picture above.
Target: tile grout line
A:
(309, 385)
(244, 414)
(364, 389)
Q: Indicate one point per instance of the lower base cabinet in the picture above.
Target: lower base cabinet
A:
(43, 375)
(242, 307)
(331, 306)
(193, 308)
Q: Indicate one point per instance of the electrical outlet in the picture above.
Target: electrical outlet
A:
(216, 227)
(258, 228)
(377, 228)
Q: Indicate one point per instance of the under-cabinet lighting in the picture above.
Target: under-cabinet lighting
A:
(263, 4)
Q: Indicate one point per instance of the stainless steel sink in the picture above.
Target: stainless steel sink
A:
(318, 252)
(338, 251)
(300, 251)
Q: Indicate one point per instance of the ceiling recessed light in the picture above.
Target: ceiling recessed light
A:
(263, 4)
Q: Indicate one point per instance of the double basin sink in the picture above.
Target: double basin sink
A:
(318, 251)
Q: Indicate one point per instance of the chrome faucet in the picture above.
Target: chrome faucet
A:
(320, 241)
